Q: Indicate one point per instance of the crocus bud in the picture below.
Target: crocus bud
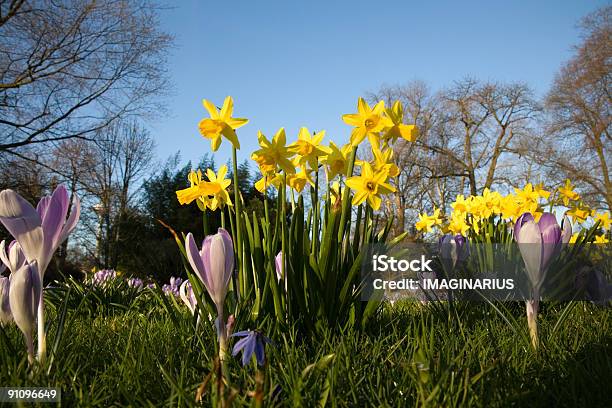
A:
(187, 296)
(213, 264)
(566, 229)
(539, 243)
(453, 249)
(5, 307)
(278, 263)
(24, 296)
(14, 258)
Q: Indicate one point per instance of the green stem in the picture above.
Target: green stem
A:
(346, 205)
(205, 222)
(238, 237)
(284, 235)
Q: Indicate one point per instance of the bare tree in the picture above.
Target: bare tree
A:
(124, 155)
(578, 144)
(467, 141)
(69, 68)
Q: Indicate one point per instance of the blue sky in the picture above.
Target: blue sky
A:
(293, 64)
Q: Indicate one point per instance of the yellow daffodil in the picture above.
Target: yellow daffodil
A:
(398, 128)
(308, 147)
(457, 225)
(460, 205)
(603, 218)
(337, 160)
(298, 180)
(574, 238)
(383, 161)
(221, 197)
(601, 239)
(427, 222)
(539, 188)
(267, 180)
(335, 193)
(510, 207)
(221, 123)
(486, 205)
(578, 214)
(568, 193)
(527, 194)
(367, 121)
(199, 189)
(273, 154)
(369, 186)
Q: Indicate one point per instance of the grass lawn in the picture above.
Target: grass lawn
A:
(144, 351)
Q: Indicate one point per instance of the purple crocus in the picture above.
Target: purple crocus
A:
(214, 265)
(5, 306)
(172, 288)
(539, 244)
(453, 249)
(187, 296)
(24, 297)
(14, 257)
(253, 341)
(39, 233)
(42, 230)
(135, 283)
(104, 277)
(278, 263)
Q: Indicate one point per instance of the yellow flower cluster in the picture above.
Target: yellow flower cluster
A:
(294, 164)
(299, 160)
(377, 122)
(382, 127)
(467, 213)
(209, 194)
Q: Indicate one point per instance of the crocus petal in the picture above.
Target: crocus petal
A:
(23, 223)
(73, 219)
(550, 230)
(463, 247)
(195, 260)
(566, 229)
(16, 258)
(278, 263)
(448, 252)
(5, 306)
(53, 216)
(185, 298)
(551, 238)
(42, 206)
(530, 246)
(218, 259)
(4, 257)
(524, 218)
(25, 291)
(229, 254)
